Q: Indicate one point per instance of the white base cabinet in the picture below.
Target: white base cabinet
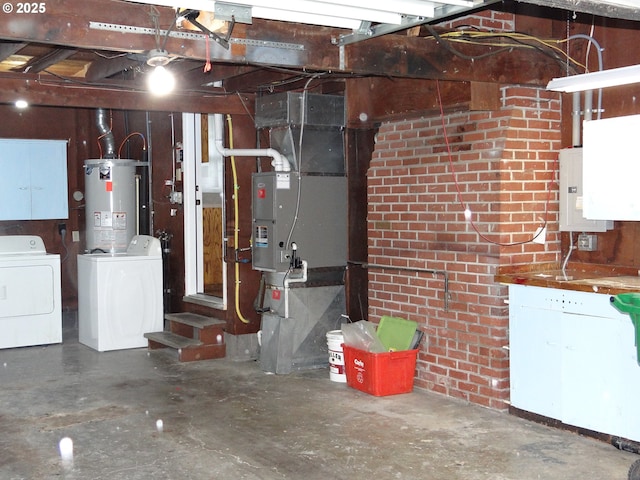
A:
(573, 358)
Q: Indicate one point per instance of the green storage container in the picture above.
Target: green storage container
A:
(630, 303)
(396, 333)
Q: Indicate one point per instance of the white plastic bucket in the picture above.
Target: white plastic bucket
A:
(336, 356)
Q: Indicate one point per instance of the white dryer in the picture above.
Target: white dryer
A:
(30, 293)
(120, 296)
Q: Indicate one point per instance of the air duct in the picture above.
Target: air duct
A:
(106, 135)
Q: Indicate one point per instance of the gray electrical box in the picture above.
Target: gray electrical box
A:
(571, 195)
(310, 210)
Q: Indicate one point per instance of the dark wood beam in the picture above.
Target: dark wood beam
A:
(262, 79)
(601, 8)
(261, 43)
(431, 58)
(102, 68)
(38, 64)
(196, 77)
(372, 100)
(9, 48)
(51, 91)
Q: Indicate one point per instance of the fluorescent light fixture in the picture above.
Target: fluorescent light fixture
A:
(260, 7)
(596, 80)
(334, 13)
(307, 18)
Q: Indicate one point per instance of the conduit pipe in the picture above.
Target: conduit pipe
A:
(575, 124)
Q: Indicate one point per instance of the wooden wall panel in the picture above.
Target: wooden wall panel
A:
(212, 249)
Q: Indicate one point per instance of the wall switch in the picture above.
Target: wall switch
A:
(75, 236)
(587, 243)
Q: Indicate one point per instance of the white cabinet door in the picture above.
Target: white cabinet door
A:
(15, 182)
(573, 358)
(535, 353)
(33, 184)
(589, 386)
(601, 375)
(48, 169)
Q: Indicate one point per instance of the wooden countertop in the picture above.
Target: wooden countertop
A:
(580, 277)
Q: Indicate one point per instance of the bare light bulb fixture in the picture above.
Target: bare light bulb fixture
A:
(161, 81)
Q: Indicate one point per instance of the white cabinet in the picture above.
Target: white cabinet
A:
(535, 355)
(573, 359)
(33, 183)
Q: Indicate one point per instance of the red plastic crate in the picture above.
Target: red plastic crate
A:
(380, 374)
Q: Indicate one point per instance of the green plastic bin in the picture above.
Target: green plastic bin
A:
(396, 333)
(630, 303)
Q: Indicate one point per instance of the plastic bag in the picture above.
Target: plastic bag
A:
(362, 335)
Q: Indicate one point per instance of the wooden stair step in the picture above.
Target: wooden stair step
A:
(194, 320)
(189, 349)
(171, 340)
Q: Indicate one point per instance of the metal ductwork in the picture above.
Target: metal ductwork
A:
(106, 135)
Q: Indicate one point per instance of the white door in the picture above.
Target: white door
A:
(203, 186)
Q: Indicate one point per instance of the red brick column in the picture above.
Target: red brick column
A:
(501, 166)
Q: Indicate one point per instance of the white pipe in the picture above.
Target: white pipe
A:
(137, 182)
(279, 163)
(287, 281)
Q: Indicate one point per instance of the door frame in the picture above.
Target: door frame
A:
(192, 202)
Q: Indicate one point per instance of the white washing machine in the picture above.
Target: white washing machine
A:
(30, 293)
(120, 296)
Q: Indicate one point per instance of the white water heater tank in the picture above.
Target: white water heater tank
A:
(111, 213)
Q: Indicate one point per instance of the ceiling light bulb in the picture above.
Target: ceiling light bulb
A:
(21, 104)
(161, 81)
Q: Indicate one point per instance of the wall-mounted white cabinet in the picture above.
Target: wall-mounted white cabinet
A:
(573, 358)
(612, 168)
(33, 182)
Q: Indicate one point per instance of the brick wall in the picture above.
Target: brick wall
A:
(431, 262)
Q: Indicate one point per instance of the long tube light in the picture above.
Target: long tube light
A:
(593, 81)
(336, 13)
(309, 7)
(307, 18)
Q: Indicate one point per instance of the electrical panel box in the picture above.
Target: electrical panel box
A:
(572, 196)
(308, 210)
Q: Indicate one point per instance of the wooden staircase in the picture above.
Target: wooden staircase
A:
(193, 336)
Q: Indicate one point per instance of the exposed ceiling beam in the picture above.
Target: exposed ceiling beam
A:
(623, 9)
(38, 64)
(273, 44)
(102, 68)
(9, 48)
(48, 91)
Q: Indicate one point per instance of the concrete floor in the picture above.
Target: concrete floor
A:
(229, 420)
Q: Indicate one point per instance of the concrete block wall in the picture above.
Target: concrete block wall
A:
(451, 198)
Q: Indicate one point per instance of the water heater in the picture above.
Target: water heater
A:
(111, 211)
